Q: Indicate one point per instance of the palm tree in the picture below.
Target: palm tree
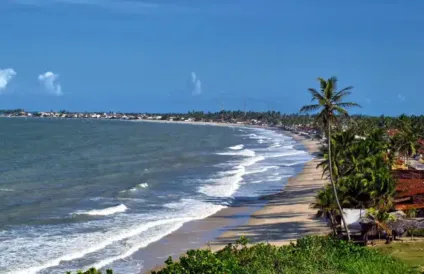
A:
(406, 140)
(329, 102)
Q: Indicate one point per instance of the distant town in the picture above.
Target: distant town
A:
(270, 118)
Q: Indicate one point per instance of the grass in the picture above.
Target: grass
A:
(412, 253)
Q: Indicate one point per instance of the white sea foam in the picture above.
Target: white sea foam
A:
(244, 153)
(103, 212)
(6, 189)
(134, 189)
(261, 170)
(294, 163)
(229, 181)
(237, 147)
(255, 137)
(121, 239)
(192, 210)
(286, 153)
(81, 252)
(224, 186)
(252, 161)
(159, 234)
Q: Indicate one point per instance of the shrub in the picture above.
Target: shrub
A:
(92, 271)
(416, 232)
(309, 255)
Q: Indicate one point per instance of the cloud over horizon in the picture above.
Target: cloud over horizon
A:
(195, 85)
(50, 83)
(5, 76)
(401, 97)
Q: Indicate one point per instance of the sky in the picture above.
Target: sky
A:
(181, 55)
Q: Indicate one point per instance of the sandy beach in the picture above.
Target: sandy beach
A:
(278, 219)
(287, 215)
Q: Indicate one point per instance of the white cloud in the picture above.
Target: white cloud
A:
(194, 85)
(50, 83)
(401, 97)
(5, 76)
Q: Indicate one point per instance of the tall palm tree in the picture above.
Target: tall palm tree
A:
(329, 102)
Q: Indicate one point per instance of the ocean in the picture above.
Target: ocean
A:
(81, 193)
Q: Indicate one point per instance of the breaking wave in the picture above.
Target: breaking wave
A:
(104, 212)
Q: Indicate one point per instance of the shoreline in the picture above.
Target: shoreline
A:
(275, 218)
(287, 215)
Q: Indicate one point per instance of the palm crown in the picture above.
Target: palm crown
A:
(329, 100)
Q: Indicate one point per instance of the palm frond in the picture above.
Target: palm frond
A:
(340, 110)
(342, 93)
(310, 108)
(333, 79)
(331, 87)
(315, 95)
(347, 105)
(322, 83)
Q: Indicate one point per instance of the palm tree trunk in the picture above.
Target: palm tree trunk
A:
(333, 224)
(332, 181)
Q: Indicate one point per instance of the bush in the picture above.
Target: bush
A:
(309, 255)
(92, 271)
(416, 232)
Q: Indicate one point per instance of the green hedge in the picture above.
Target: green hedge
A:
(416, 232)
(308, 255)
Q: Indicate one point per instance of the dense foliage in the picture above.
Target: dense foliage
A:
(308, 255)
(361, 167)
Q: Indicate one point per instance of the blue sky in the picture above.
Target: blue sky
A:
(180, 55)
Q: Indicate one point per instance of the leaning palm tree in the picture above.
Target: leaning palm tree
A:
(329, 103)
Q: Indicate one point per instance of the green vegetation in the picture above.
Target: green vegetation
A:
(308, 255)
(361, 168)
(358, 157)
(418, 232)
(93, 271)
(412, 253)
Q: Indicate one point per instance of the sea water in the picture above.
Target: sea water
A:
(82, 193)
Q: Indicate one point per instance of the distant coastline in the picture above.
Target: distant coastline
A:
(178, 118)
(299, 124)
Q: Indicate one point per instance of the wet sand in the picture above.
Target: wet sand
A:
(278, 218)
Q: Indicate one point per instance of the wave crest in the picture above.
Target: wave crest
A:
(237, 147)
(244, 152)
(104, 212)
